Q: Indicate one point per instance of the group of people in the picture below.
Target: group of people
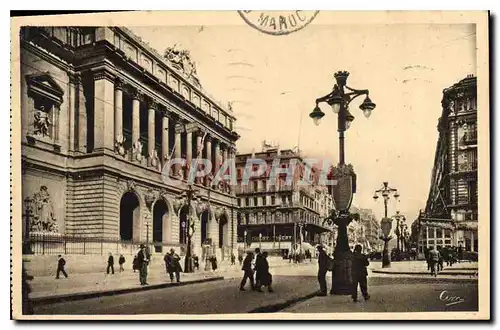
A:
(256, 263)
(437, 257)
(359, 272)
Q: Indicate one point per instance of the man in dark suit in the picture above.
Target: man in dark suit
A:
(248, 272)
(359, 273)
(111, 263)
(60, 267)
(142, 264)
(259, 270)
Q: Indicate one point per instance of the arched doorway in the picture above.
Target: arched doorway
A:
(129, 217)
(183, 215)
(160, 224)
(223, 231)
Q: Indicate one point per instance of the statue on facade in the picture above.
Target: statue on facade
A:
(40, 212)
(150, 197)
(155, 161)
(137, 151)
(120, 145)
(182, 59)
(42, 122)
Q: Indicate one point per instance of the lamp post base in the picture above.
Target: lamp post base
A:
(341, 274)
(386, 258)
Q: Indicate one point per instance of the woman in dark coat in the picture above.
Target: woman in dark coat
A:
(266, 279)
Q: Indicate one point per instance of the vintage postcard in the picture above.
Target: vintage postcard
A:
(251, 165)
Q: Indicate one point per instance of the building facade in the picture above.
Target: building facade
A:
(282, 218)
(102, 112)
(451, 214)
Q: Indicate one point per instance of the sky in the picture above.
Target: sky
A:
(274, 81)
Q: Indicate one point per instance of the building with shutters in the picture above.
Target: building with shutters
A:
(278, 217)
(451, 214)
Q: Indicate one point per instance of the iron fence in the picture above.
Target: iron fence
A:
(52, 244)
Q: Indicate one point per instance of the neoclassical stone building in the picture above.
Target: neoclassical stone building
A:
(102, 112)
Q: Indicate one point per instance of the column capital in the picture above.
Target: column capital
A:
(192, 128)
(137, 95)
(118, 84)
(153, 104)
(103, 73)
(209, 138)
(180, 128)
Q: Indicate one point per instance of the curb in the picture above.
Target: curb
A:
(280, 306)
(94, 294)
(423, 273)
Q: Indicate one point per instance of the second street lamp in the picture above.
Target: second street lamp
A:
(339, 100)
(386, 222)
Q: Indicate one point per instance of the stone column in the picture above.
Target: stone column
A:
(104, 90)
(179, 128)
(82, 117)
(472, 241)
(164, 138)
(136, 125)
(151, 129)
(73, 91)
(189, 150)
(118, 110)
(209, 156)
(217, 163)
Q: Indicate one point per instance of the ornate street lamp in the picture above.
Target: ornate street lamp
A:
(339, 100)
(386, 223)
(189, 195)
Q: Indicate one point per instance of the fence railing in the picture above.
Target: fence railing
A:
(53, 244)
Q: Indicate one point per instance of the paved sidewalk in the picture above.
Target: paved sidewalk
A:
(419, 267)
(45, 287)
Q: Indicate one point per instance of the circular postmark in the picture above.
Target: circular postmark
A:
(278, 22)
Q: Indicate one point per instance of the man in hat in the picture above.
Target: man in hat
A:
(323, 260)
(173, 265)
(142, 264)
(359, 273)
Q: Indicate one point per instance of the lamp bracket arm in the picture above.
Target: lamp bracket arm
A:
(352, 98)
(324, 98)
(357, 91)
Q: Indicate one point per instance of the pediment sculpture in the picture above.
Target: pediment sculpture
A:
(181, 58)
(40, 212)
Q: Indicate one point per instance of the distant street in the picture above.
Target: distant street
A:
(293, 293)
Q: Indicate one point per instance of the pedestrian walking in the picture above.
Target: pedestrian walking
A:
(173, 265)
(233, 259)
(434, 256)
(213, 262)
(121, 261)
(111, 264)
(266, 279)
(259, 270)
(247, 272)
(135, 265)
(440, 263)
(323, 260)
(240, 258)
(142, 265)
(61, 263)
(359, 273)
